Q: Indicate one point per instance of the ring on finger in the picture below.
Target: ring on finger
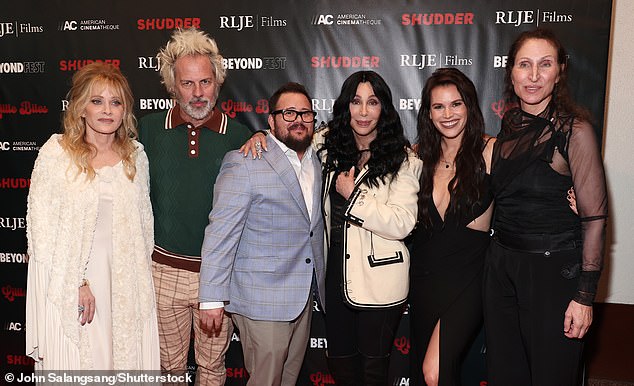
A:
(80, 308)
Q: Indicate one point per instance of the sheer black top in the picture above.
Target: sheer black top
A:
(536, 159)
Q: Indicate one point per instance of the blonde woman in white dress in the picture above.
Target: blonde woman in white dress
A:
(90, 299)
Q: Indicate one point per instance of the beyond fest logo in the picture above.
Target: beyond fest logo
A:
(13, 28)
(345, 19)
(264, 63)
(22, 68)
(25, 108)
(86, 25)
(517, 18)
(11, 257)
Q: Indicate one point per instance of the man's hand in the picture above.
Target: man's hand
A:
(211, 320)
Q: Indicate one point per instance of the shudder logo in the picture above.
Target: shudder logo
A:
(168, 23)
(76, 64)
(458, 18)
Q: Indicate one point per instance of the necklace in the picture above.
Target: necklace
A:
(447, 164)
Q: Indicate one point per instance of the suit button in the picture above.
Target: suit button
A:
(347, 255)
(311, 233)
(308, 260)
(360, 203)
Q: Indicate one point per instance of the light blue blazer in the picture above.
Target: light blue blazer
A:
(261, 247)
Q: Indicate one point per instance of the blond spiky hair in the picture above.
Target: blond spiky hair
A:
(189, 42)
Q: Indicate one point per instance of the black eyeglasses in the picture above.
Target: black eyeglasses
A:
(289, 115)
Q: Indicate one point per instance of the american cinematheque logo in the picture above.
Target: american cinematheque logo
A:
(86, 25)
(343, 19)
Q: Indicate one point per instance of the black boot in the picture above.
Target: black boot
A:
(375, 370)
(345, 370)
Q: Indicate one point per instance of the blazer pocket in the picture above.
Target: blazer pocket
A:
(376, 260)
(256, 264)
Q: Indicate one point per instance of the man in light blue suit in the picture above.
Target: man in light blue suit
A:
(262, 254)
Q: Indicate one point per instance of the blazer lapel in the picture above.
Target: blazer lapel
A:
(282, 166)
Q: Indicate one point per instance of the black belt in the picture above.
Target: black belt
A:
(539, 243)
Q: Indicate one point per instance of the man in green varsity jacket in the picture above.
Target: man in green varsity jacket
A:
(185, 146)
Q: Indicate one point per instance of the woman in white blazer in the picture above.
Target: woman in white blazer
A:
(371, 182)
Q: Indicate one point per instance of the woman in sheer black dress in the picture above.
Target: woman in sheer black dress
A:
(455, 208)
(542, 270)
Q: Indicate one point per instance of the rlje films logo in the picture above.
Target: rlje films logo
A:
(241, 22)
(13, 28)
(517, 18)
(423, 60)
(87, 25)
(345, 19)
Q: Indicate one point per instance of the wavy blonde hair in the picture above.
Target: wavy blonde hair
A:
(88, 80)
(190, 42)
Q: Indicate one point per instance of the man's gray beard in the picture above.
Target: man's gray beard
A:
(197, 113)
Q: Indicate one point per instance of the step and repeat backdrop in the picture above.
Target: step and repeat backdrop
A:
(314, 42)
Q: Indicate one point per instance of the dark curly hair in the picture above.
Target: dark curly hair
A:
(466, 185)
(388, 149)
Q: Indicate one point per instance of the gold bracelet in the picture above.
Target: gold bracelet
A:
(84, 283)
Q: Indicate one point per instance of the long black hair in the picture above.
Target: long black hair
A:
(388, 149)
(465, 186)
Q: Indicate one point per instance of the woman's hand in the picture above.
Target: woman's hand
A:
(572, 200)
(256, 144)
(577, 320)
(86, 306)
(345, 183)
